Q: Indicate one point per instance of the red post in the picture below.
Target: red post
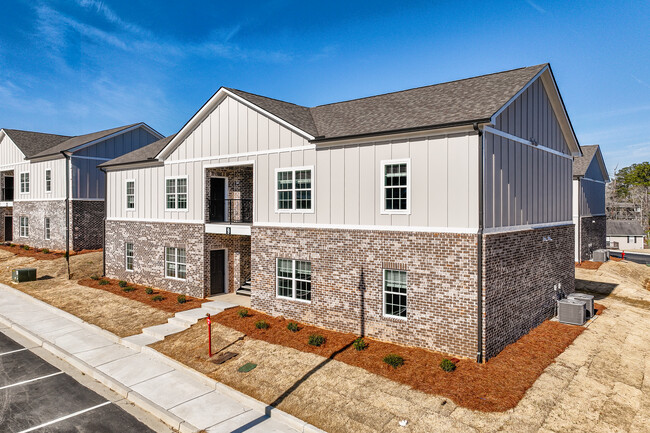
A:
(623, 255)
(209, 335)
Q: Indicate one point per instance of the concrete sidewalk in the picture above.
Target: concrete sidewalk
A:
(181, 397)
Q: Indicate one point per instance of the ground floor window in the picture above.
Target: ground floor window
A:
(46, 229)
(395, 293)
(293, 279)
(175, 263)
(128, 249)
(24, 227)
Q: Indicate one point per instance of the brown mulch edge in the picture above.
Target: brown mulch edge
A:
(599, 308)
(587, 264)
(169, 303)
(495, 386)
(38, 254)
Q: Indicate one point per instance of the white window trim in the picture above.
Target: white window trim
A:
(20, 182)
(126, 257)
(126, 195)
(293, 189)
(175, 262)
(48, 191)
(383, 295)
(382, 189)
(293, 281)
(176, 209)
(20, 227)
(46, 228)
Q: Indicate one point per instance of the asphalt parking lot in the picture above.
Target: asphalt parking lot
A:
(37, 396)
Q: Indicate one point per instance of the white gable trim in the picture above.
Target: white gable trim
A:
(3, 134)
(205, 111)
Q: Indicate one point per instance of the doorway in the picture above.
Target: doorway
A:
(218, 199)
(9, 228)
(218, 272)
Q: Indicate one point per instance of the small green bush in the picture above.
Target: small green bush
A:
(447, 365)
(242, 313)
(26, 247)
(128, 289)
(12, 245)
(148, 290)
(103, 283)
(360, 344)
(46, 251)
(394, 360)
(121, 283)
(181, 299)
(292, 326)
(157, 298)
(94, 277)
(316, 340)
(261, 324)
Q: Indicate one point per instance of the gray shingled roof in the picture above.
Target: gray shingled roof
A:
(30, 143)
(581, 163)
(143, 154)
(624, 228)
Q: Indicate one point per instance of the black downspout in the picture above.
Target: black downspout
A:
(67, 210)
(479, 251)
(104, 228)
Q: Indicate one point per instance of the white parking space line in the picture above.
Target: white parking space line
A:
(13, 351)
(30, 380)
(63, 418)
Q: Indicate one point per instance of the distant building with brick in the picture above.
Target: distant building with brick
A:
(41, 173)
(438, 217)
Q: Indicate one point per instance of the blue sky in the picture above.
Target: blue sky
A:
(75, 66)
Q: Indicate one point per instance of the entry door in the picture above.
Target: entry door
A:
(8, 193)
(9, 229)
(217, 271)
(217, 199)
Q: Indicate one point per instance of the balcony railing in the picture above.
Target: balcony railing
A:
(7, 194)
(236, 210)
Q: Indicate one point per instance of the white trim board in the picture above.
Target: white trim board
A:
(156, 220)
(507, 229)
(526, 142)
(242, 155)
(97, 158)
(593, 180)
(461, 230)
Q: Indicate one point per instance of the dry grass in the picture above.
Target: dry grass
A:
(114, 313)
(39, 253)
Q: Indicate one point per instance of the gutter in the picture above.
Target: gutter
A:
(104, 226)
(479, 251)
(67, 209)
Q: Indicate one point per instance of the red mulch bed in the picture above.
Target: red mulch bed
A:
(37, 253)
(169, 303)
(495, 386)
(599, 308)
(588, 265)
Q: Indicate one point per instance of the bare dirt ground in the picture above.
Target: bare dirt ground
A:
(601, 383)
(117, 314)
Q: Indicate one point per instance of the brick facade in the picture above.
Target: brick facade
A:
(520, 270)
(347, 283)
(593, 235)
(239, 259)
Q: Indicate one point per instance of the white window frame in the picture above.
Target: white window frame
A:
(23, 233)
(382, 188)
(293, 189)
(175, 262)
(383, 294)
(126, 194)
(47, 228)
(48, 180)
(294, 280)
(187, 194)
(20, 180)
(132, 257)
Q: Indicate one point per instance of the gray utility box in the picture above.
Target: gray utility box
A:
(24, 274)
(587, 299)
(571, 311)
(600, 255)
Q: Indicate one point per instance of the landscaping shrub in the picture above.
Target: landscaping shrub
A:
(316, 340)
(292, 326)
(261, 324)
(447, 365)
(128, 289)
(157, 298)
(46, 251)
(12, 245)
(94, 278)
(181, 299)
(360, 344)
(242, 313)
(26, 247)
(121, 283)
(148, 290)
(103, 282)
(394, 360)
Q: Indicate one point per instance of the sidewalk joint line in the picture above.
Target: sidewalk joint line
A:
(14, 351)
(30, 380)
(63, 418)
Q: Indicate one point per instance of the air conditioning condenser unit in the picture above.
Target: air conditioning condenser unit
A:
(571, 311)
(587, 299)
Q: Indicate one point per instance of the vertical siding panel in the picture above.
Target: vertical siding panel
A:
(367, 179)
(242, 123)
(274, 135)
(352, 189)
(233, 127)
(419, 182)
(382, 153)
(458, 181)
(285, 161)
(223, 128)
(322, 187)
(251, 123)
(338, 190)
(488, 185)
(265, 185)
(309, 159)
(473, 190)
(263, 133)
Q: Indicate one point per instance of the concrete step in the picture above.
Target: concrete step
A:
(190, 317)
(161, 331)
(244, 291)
(217, 306)
(137, 341)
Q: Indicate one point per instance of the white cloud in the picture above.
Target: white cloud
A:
(537, 7)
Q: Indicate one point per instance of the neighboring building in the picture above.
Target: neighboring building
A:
(437, 217)
(35, 169)
(589, 216)
(625, 235)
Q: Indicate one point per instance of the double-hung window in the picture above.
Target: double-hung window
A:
(46, 229)
(176, 193)
(395, 187)
(24, 226)
(395, 293)
(175, 263)
(128, 252)
(294, 189)
(24, 183)
(48, 180)
(293, 279)
(130, 194)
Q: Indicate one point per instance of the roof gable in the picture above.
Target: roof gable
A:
(31, 143)
(591, 158)
(624, 228)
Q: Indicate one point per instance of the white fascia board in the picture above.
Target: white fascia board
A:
(387, 137)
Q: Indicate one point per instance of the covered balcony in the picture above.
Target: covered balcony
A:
(6, 188)
(229, 200)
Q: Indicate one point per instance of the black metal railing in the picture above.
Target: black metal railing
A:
(231, 210)
(7, 194)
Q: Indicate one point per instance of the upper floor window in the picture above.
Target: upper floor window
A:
(48, 180)
(176, 193)
(395, 187)
(130, 194)
(24, 183)
(294, 190)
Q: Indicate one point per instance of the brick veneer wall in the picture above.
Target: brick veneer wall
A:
(520, 270)
(239, 259)
(593, 230)
(347, 280)
(86, 219)
(240, 184)
(36, 211)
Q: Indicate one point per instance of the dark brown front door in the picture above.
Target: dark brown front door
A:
(217, 271)
(217, 199)
(9, 229)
